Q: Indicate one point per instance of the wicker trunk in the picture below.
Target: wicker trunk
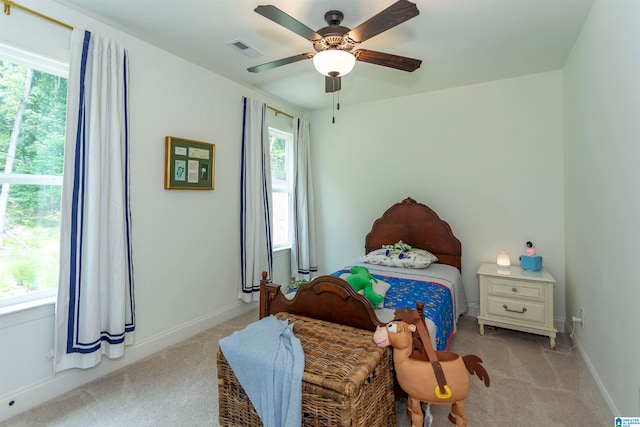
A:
(347, 380)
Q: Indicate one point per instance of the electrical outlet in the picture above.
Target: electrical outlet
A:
(582, 317)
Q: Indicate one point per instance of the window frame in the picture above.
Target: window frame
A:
(288, 137)
(51, 66)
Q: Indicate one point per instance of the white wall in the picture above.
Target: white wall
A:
(602, 186)
(501, 184)
(185, 243)
(487, 158)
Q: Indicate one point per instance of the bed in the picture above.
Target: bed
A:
(331, 298)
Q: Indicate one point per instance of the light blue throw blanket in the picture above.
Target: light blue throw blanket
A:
(268, 361)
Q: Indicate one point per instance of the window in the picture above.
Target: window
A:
(281, 186)
(33, 97)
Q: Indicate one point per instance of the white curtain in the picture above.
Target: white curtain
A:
(304, 263)
(255, 201)
(95, 310)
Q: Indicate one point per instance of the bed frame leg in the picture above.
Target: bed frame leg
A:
(420, 309)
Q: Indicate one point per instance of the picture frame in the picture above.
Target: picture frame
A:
(189, 164)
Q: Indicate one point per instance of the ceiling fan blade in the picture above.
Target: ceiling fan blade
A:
(280, 62)
(290, 23)
(332, 84)
(387, 60)
(395, 14)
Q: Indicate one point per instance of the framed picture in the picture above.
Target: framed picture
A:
(189, 165)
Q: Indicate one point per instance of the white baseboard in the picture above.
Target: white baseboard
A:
(565, 326)
(36, 394)
(594, 374)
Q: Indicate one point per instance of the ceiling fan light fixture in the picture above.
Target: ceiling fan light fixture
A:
(332, 61)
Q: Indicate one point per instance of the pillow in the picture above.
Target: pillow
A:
(380, 287)
(413, 258)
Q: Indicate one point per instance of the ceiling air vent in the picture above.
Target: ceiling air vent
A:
(244, 48)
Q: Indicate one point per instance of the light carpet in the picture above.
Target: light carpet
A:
(530, 386)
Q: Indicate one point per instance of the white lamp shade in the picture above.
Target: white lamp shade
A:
(503, 259)
(334, 61)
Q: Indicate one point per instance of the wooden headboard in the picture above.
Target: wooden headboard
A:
(333, 299)
(419, 226)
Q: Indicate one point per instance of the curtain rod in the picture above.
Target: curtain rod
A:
(273, 109)
(8, 4)
(279, 112)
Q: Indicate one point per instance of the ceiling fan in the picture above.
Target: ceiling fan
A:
(339, 42)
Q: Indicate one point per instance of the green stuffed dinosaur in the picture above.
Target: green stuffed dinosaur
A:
(360, 279)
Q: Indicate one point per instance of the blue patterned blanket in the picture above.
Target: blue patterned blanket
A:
(437, 298)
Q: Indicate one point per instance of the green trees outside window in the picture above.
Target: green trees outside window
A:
(32, 128)
(281, 188)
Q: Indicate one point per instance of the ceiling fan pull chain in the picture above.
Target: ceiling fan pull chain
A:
(333, 101)
(333, 105)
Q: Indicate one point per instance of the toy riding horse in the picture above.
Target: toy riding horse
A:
(441, 378)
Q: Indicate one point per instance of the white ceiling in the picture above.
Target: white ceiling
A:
(459, 41)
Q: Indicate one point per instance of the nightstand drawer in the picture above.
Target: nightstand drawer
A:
(515, 289)
(525, 311)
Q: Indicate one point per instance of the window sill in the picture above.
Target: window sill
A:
(17, 314)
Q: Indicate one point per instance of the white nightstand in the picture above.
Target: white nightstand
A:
(517, 299)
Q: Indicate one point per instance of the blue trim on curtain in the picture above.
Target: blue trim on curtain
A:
(243, 197)
(249, 288)
(247, 285)
(75, 289)
(265, 177)
(129, 327)
(303, 258)
(79, 163)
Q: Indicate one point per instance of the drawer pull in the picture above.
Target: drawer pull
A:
(514, 289)
(514, 311)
